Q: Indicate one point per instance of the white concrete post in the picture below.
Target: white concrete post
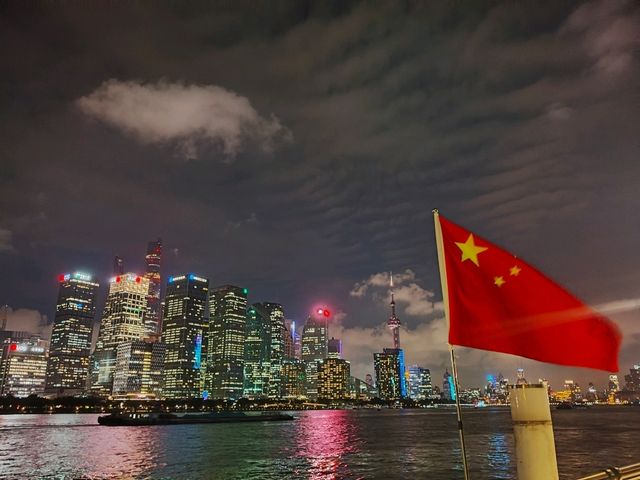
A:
(533, 432)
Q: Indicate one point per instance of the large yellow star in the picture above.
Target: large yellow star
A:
(470, 250)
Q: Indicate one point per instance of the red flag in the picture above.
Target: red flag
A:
(498, 302)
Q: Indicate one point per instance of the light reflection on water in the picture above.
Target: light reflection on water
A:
(318, 445)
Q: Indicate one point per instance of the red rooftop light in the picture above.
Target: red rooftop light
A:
(138, 279)
(326, 313)
(13, 347)
(61, 278)
(118, 279)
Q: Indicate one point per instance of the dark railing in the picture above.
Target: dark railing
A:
(630, 472)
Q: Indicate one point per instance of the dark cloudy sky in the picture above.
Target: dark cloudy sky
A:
(297, 148)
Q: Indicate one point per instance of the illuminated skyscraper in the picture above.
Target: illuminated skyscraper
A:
(394, 322)
(448, 387)
(614, 384)
(632, 381)
(334, 348)
(153, 316)
(275, 313)
(139, 369)
(23, 367)
(225, 357)
(314, 350)
(257, 367)
(122, 321)
(184, 333)
(293, 378)
(68, 363)
(289, 349)
(420, 387)
(390, 376)
(333, 379)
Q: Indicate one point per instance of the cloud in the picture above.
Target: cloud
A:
(187, 116)
(27, 320)
(252, 219)
(416, 300)
(6, 241)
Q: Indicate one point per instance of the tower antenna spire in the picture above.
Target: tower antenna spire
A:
(394, 322)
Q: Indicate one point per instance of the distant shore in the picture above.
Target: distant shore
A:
(39, 405)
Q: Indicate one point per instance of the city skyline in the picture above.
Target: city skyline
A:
(321, 319)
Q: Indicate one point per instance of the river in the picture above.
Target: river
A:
(319, 445)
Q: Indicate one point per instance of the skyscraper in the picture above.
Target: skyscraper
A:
(275, 314)
(314, 350)
(70, 347)
(139, 369)
(184, 333)
(394, 322)
(293, 378)
(334, 348)
(448, 386)
(257, 367)
(333, 379)
(122, 321)
(390, 378)
(153, 316)
(225, 357)
(23, 367)
(289, 349)
(420, 387)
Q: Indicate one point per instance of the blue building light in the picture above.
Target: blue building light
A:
(197, 360)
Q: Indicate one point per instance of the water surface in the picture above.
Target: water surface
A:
(319, 445)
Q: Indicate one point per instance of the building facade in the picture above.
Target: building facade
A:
(390, 376)
(227, 333)
(420, 387)
(333, 379)
(314, 351)
(70, 346)
(334, 348)
(23, 368)
(257, 367)
(153, 315)
(293, 378)
(139, 369)
(184, 333)
(277, 329)
(122, 321)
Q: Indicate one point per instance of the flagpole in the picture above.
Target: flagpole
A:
(454, 369)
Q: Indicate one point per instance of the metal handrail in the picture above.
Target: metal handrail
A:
(630, 472)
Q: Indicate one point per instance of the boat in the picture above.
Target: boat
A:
(564, 406)
(165, 418)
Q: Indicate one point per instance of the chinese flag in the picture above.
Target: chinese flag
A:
(498, 302)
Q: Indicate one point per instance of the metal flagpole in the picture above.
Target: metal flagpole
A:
(445, 300)
(463, 449)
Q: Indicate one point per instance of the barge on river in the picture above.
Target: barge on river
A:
(163, 418)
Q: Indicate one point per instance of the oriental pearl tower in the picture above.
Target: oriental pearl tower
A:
(394, 322)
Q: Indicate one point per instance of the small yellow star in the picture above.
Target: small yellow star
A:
(514, 271)
(470, 250)
(499, 281)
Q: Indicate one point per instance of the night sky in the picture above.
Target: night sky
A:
(298, 148)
